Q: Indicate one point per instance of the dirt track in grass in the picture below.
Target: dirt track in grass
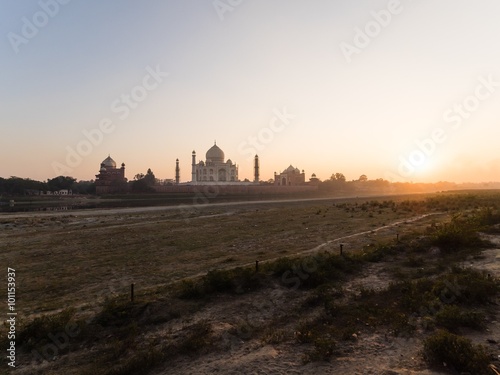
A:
(77, 260)
(80, 258)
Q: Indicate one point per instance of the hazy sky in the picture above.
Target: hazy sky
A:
(405, 90)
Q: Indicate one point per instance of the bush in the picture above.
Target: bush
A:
(198, 338)
(460, 233)
(218, 281)
(489, 217)
(36, 332)
(452, 317)
(324, 349)
(467, 286)
(239, 280)
(189, 289)
(379, 253)
(119, 313)
(457, 352)
(280, 266)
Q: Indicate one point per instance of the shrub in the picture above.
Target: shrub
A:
(460, 233)
(274, 336)
(379, 253)
(218, 281)
(119, 313)
(36, 332)
(488, 217)
(453, 317)
(467, 286)
(281, 265)
(239, 280)
(198, 338)
(324, 349)
(189, 289)
(457, 352)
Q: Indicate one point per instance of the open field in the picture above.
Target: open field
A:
(80, 266)
(65, 259)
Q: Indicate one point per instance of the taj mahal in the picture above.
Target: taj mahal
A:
(214, 170)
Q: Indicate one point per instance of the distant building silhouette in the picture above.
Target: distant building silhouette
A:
(256, 169)
(290, 177)
(314, 180)
(110, 179)
(177, 172)
(214, 169)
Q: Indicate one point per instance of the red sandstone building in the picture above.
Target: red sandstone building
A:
(110, 179)
(290, 177)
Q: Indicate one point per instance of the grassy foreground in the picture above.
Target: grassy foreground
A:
(311, 306)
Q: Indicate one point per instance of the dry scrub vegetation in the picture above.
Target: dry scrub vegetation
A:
(400, 287)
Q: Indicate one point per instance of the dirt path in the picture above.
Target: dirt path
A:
(136, 210)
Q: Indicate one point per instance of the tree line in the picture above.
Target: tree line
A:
(143, 183)
(25, 186)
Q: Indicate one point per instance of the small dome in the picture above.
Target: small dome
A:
(109, 163)
(215, 154)
(103, 169)
(229, 161)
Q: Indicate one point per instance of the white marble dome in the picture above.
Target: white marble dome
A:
(215, 154)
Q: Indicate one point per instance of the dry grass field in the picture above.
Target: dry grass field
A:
(79, 267)
(69, 259)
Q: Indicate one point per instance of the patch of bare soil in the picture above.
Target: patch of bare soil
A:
(378, 353)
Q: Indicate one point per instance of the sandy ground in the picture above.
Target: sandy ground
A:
(377, 352)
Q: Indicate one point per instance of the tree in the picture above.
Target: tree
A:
(363, 178)
(150, 178)
(19, 186)
(84, 187)
(144, 183)
(338, 177)
(61, 183)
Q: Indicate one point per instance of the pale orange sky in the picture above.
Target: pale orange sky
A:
(166, 79)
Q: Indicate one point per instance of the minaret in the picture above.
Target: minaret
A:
(193, 168)
(122, 170)
(177, 172)
(256, 169)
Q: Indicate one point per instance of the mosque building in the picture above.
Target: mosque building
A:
(216, 170)
(110, 179)
(290, 177)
